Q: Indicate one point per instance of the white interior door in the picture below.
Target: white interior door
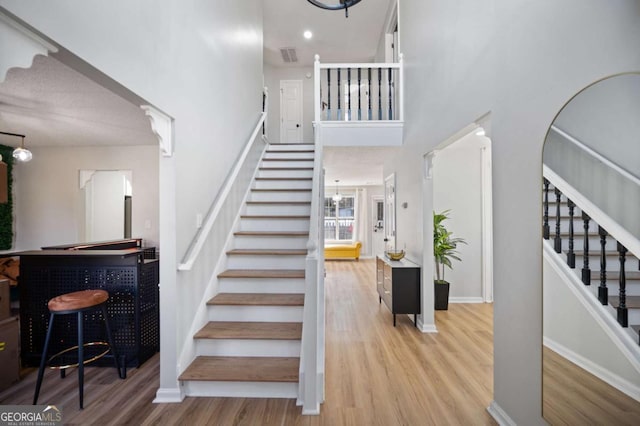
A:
(291, 111)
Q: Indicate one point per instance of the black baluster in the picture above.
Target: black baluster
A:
(359, 106)
(603, 291)
(623, 315)
(571, 256)
(328, 93)
(390, 107)
(379, 93)
(586, 271)
(545, 217)
(339, 100)
(557, 241)
(348, 112)
(369, 94)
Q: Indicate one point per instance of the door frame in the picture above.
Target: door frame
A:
(374, 215)
(301, 109)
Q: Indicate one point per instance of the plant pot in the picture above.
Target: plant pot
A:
(441, 292)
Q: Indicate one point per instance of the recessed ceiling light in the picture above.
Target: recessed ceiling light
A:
(480, 132)
(307, 34)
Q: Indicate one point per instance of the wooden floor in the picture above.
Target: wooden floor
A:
(375, 374)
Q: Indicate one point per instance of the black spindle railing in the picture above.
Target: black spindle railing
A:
(557, 241)
(339, 100)
(586, 271)
(359, 96)
(379, 93)
(603, 291)
(623, 315)
(390, 101)
(571, 256)
(545, 217)
(329, 93)
(348, 89)
(369, 94)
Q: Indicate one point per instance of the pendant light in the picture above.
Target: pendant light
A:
(21, 153)
(342, 4)
(337, 197)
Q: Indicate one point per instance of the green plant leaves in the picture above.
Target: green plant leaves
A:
(444, 244)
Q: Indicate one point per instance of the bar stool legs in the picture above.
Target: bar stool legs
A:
(81, 361)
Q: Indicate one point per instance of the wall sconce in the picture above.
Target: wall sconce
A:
(21, 153)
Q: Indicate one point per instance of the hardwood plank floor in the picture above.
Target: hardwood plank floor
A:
(375, 374)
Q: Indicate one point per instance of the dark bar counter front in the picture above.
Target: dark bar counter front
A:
(129, 275)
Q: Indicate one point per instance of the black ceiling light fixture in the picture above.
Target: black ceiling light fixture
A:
(333, 5)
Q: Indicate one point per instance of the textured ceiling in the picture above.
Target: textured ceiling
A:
(335, 38)
(355, 166)
(54, 105)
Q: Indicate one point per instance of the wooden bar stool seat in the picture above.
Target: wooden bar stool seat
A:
(77, 303)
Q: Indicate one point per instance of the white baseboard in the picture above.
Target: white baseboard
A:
(499, 415)
(603, 374)
(466, 300)
(169, 395)
(426, 328)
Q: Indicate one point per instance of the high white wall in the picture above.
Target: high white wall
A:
(201, 64)
(272, 77)
(49, 204)
(520, 60)
(457, 186)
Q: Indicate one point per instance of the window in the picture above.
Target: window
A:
(339, 218)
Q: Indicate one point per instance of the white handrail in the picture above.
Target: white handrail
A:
(361, 65)
(596, 155)
(200, 238)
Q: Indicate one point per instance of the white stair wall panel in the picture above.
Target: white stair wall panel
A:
(248, 347)
(261, 285)
(235, 261)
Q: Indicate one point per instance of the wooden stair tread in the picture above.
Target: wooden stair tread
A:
(251, 330)
(272, 233)
(286, 168)
(242, 369)
(269, 252)
(262, 273)
(614, 275)
(597, 253)
(633, 302)
(287, 159)
(258, 299)
(280, 203)
(289, 151)
(257, 216)
(576, 234)
(281, 189)
(284, 178)
(635, 327)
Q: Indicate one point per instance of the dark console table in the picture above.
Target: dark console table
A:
(129, 275)
(398, 284)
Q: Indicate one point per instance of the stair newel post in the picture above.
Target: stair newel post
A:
(603, 291)
(379, 93)
(586, 271)
(369, 94)
(557, 241)
(623, 314)
(571, 256)
(390, 96)
(339, 100)
(328, 93)
(348, 112)
(359, 95)
(545, 216)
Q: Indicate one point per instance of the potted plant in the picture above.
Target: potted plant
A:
(444, 249)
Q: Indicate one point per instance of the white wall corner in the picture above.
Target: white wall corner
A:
(426, 328)
(19, 45)
(499, 415)
(162, 127)
(169, 395)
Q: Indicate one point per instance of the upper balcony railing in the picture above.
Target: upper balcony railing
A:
(359, 104)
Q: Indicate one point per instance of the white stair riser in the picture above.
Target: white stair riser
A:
(247, 347)
(294, 147)
(296, 155)
(283, 184)
(578, 241)
(295, 163)
(240, 389)
(247, 242)
(632, 287)
(578, 225)
(265, 262)
(255, 313)
(634, 315)
(277, 209)
(261, 285)
(280, 196)
(613, 264)
(285, 225)
(265, 172)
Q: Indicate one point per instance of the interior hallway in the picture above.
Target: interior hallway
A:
(376, 374)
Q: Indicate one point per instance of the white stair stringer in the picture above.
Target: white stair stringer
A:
(269, 238)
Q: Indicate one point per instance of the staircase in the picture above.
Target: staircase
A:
(251, 345)
(611, 256)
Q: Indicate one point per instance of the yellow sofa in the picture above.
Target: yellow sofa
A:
(343, 251)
